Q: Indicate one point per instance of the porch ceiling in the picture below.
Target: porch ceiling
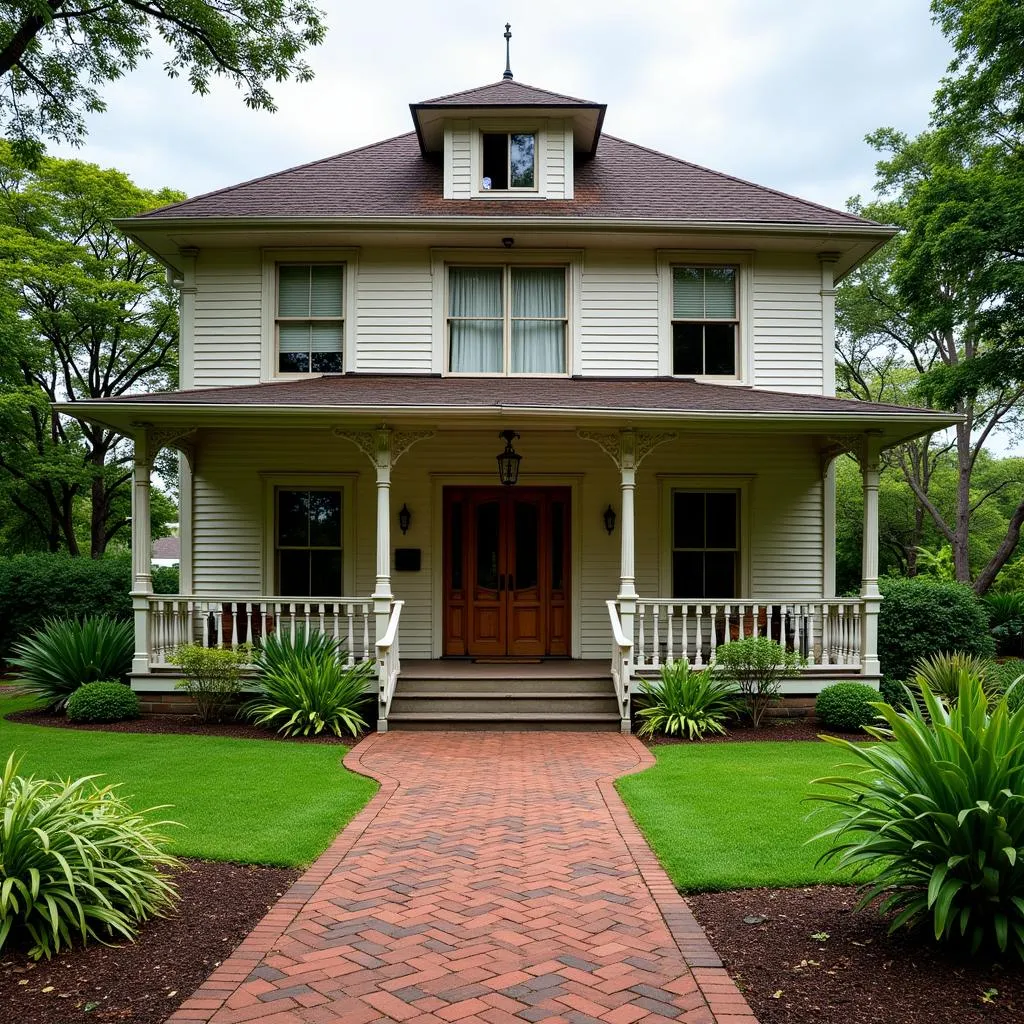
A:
(462, 401)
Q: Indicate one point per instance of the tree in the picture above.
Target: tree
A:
(85, 314)
(55, 54)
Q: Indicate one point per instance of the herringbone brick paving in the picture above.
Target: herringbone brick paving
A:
(495, 879)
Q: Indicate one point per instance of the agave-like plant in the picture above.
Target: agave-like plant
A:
(65, 653)
(306, 686)
(944, 674)
(76, 863)
(686, 702)
(937, 816)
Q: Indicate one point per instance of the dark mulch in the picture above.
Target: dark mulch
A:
(144, 981)
(179, 725)
(774, 730)
(858, 974)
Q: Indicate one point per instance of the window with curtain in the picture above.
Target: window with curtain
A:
(704, 321)
(705, 543)
(310, 318)
(509, 319)
(308, 542)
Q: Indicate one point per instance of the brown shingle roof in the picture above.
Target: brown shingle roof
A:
(647, 394)
(392, 179)
(507, 92)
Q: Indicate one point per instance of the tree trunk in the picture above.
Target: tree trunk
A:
(987, 575)
(962, 512)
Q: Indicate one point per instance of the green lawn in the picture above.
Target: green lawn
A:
(733, 815)
(252, 801)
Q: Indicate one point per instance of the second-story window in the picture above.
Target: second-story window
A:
(310, 317)
(509, 161)
(506, 320)
(704, 321)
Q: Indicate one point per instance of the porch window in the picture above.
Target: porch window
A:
(308, 542)
(704, 321)
(509, 319)
(310, 318)
(705, 543)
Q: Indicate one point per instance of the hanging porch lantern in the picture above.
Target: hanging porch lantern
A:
(509, 459)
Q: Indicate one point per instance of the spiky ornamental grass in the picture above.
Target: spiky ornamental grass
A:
(939, 814)
(65, 653)
(687, 703)
(306, 686)
(76, 863)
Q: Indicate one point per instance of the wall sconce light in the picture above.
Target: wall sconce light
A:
(404, 518)
(509, 459)
(609, 520)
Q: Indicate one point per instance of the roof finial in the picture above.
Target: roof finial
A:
(508, 65)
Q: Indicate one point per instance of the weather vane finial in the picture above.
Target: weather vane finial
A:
(508, 64)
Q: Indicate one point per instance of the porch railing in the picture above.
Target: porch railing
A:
(622, 659)
(827, 632)
(388, 666)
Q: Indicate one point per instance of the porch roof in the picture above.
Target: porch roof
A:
(679, 402)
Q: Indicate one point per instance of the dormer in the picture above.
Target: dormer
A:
(508, 140)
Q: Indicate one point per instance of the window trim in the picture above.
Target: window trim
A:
(526, 189)
(442, 259)
(272, 483)
(348, 259)
(668, 260)
(667, 486)
(537, 128)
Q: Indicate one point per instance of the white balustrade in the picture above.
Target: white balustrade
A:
(622, 657)
(388, 666)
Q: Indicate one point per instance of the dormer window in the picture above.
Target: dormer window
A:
(509, 161)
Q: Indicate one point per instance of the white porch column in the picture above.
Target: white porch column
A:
(142, 549)
(869, 592)
(627, 558)
(382, 595)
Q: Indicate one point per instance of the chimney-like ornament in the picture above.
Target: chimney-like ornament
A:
(508, 64)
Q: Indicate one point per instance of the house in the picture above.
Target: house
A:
(543, 406)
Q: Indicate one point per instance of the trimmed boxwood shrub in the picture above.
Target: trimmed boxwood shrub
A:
(921, 617)
(847, 706)
(103, 702)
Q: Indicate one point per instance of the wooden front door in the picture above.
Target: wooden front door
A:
(506, 575)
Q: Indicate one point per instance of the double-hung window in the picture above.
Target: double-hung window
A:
(310, 319)
(705, 320)
(509, 161)
(308, 541)
(705, 543)
(508, 319)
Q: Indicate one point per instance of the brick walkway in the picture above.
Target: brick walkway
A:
(496, 877)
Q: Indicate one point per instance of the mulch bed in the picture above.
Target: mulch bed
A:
(772, 730)
(857, 974)
(143, 982)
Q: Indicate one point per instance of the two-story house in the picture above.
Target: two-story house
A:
(519, 395)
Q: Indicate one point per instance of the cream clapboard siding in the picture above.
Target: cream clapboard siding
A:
(394, 297)
(558, 162)
(788, 344)
(227, 330)
(458, 171)
(785, 512)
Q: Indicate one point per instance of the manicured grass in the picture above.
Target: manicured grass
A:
(251, 801)
(733, 815)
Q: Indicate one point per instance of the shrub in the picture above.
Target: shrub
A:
(894, 692)
(686, 702)
(166, 579)
(944, 674)
(847, 706)
(757, 666)
(938, 814)
(213, 676)
(103, 702)
(1006, 620)
(306, 687)
(64, 654)
(41, 586)
(920, 616)
(77, 863)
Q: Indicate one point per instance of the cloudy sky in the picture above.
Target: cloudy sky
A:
(781, 92)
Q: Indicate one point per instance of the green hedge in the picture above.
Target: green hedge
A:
(922, 616)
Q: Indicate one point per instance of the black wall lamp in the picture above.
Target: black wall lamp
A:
(404, 518)
(509, 459)
(609, 520)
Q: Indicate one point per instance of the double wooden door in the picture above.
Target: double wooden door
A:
(506, 577)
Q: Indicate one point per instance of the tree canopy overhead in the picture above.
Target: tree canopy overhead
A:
(55, 55)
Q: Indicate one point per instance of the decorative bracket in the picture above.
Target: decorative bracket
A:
(627, 448)
(384, 446)
(836, 445)
(182, 438)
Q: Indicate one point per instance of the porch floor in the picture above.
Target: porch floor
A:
(511, 668)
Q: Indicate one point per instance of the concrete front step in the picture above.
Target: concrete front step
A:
(505, 722)
(505, 701)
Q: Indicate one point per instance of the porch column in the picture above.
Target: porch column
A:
(142, 549)
(627, 558)
(382, 595)
(869, 592)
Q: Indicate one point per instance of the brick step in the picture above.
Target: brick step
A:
(506, 722)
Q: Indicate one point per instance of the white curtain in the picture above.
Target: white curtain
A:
(538, 324)
(475, 312)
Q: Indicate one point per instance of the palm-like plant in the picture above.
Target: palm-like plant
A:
(686, 702)
(939, 815)
(306, 687)
(76, 863)
(65, 653)
(944, 674)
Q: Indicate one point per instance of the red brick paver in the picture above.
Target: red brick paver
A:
(496, 878)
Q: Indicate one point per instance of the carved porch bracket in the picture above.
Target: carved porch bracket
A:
(607, 440)
(627, 448)
(384, 446)
(182, 438)
(836, 445)
(647, 440)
